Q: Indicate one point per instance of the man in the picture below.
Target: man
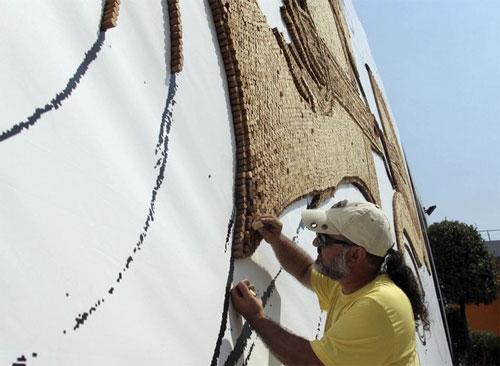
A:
(369, 318)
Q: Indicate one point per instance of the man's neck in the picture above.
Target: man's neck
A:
(355, 281)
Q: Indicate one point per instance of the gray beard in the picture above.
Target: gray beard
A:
(337, 270)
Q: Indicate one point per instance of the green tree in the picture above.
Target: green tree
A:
(466, 272)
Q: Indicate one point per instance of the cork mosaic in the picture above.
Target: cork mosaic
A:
(406, 219)
(301, 125)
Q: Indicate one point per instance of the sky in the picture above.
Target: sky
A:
(439, 62)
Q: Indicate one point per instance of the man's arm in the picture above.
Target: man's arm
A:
(287, 347)
(293, 258)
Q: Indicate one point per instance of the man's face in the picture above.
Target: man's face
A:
(331, 260)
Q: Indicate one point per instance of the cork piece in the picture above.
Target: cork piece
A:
(110, 14)
(257, 225)
(176, 45)
(300, 124)
(406, 208)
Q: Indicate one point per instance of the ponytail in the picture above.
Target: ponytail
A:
(404, 278)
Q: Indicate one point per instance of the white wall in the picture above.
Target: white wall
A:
(76, 188)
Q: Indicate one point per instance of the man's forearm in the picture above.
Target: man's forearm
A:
(293, 258)
(287, 347)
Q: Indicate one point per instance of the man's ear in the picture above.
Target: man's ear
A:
(356, 255)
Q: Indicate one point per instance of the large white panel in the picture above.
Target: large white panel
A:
(77, 187)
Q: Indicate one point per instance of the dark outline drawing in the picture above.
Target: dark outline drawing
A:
(225, 310)
(56, 102)
(162, 149)
(246, 332)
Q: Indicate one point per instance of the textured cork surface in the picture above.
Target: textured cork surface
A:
(404, 206)
(404, 228)
(301, 127)
(321, 14)
(110, 14)
(176, 45)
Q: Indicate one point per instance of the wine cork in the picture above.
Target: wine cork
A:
(257, 225)
(252, 290)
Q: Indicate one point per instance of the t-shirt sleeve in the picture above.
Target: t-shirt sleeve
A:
(323, 287)
(362, 336)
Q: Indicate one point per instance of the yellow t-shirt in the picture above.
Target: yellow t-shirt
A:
(372, 326)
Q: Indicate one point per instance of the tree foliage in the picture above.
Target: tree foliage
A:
(467, 274)
(485, 349)
(466, 270)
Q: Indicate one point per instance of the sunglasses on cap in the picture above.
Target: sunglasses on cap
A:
(325, 240)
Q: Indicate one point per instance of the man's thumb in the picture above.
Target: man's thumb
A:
(244, 290)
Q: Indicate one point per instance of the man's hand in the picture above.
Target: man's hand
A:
(269, 227)
(245, 302)
(287, 347)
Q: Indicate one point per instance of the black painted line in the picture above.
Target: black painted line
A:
(22, 360)
(56, 102)
(318, 329)
(165, 127)
(245, 363)
(421, 335)
(229, 228)
(225, 308)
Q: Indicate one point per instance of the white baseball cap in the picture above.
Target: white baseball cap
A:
(363, 223)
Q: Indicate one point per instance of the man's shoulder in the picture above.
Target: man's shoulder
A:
(391, 300)
(384, 294)
(384, 288)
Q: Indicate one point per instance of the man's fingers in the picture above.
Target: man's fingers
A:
(250, 286)
(266, 223)
(235, 296)
(257, 225)
(271, 221)
(264, 216)
(246, 289)
(243, 288)
(235, 292)
(239, 289)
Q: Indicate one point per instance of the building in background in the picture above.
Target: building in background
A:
(487, 317)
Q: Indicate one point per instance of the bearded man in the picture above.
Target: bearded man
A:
(371, 297)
